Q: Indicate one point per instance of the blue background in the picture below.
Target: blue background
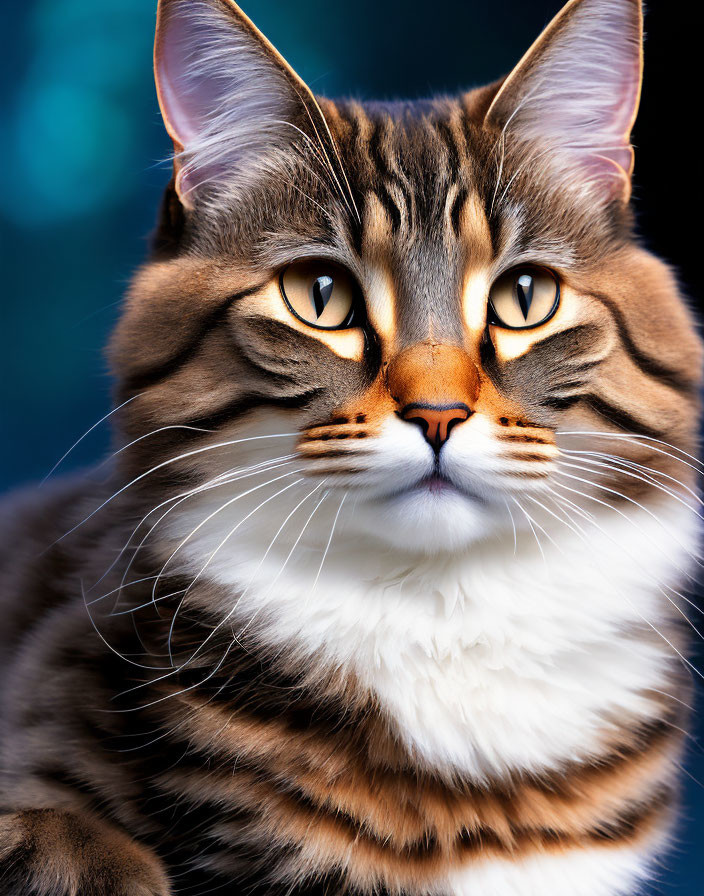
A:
(83, 167)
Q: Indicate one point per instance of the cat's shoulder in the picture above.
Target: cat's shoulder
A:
(31, 515)
(33, 574)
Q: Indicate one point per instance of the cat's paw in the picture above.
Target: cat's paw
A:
(46, 852)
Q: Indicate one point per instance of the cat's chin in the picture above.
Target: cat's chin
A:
(427, 520)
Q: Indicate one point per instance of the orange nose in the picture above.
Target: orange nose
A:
(435, 386)
(436, 421)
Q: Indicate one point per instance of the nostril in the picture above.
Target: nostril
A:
(436, 421)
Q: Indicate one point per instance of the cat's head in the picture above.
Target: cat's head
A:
(404, 306)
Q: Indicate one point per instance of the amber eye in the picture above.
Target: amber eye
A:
(524, 297)
(322, 294)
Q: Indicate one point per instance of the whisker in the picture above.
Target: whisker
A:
(659, 587)
(148, 435)
(588, 466)
(224, 479)
(215, 482)
(547, 510)
(109, 646)
(273, 541)
(513, 525)
(535, 534)
(87, 433)
(285, 563)
(647, 621)
(171, 672)
(635, 466)
(633, 439)
(218, 510)
(327, 546)
(160, 466)
(222, 543)
(637, 504)
(207, 639)
(237, 526)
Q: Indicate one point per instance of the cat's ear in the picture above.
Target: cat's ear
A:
(230, 102)
(576, 92)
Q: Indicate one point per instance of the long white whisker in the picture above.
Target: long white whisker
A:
(547, 510)
(634, 465)
(148, 435)
(327, 546)
(619, 512)
(659, 587)
(237, 526)
(285, 563)
(216, 482)
(228, 478)
(273, 541)
(221, 545)
(633, 439)
(107, 643)
(218, 510)
(535, 534)
(223, 621)
(636, 504)
(589, 465)
(160, 466)
(513, 525)
(86, 434)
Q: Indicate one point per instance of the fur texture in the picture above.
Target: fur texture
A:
(397, 607)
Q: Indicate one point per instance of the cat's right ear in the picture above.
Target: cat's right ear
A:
(230, 102)
(575, 95)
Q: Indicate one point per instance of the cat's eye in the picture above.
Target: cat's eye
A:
(524, 297)
(322, 294)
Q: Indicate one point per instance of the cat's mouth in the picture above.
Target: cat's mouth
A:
(437, 484)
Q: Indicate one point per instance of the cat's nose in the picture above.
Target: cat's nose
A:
(435, 386)
(436, 421)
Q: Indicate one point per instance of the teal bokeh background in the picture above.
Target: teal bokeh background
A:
(84, 162)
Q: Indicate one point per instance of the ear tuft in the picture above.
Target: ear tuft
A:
(576, 92)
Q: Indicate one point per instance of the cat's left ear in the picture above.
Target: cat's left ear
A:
(232, 105)
(574, 96)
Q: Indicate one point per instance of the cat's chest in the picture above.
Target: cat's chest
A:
(343, 792)
(486, 664)
(505, 673)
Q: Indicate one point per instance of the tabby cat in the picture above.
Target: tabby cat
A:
(383, 591)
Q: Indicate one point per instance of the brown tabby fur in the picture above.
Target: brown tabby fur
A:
(263, 768)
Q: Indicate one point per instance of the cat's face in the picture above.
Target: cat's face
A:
(406, 306)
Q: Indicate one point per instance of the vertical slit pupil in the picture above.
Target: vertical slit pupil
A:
(322, 290)
(524, 293)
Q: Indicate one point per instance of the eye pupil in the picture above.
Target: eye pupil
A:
(322, 294)
(524, 293)
(524, 297)
(322, 290)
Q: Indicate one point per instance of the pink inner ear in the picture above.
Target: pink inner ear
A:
(576, 93)
(225, 98)
(188, 91)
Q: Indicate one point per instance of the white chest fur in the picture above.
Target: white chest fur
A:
(500, 659)
(490, 661)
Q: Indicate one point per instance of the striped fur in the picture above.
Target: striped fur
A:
(286, 643)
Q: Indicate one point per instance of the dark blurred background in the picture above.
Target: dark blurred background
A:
(83, 168)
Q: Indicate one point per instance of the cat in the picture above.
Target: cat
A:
(383, 590)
